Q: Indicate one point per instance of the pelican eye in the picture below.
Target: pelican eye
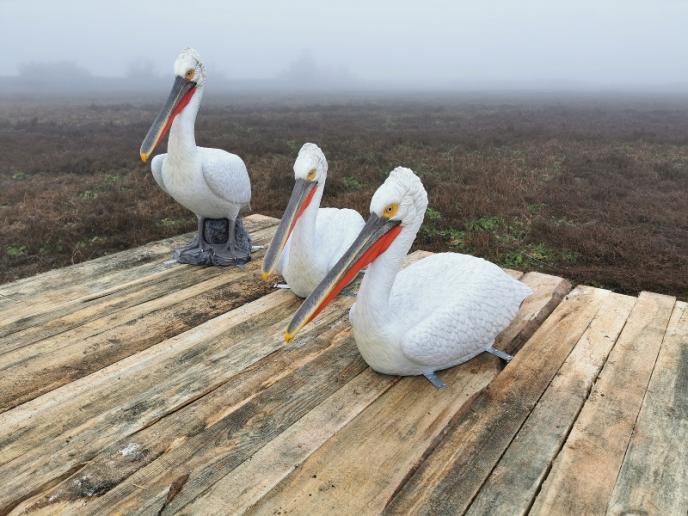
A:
(390, 210)
(190, 74)
(311, 175)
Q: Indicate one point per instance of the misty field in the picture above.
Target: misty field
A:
(592, 189)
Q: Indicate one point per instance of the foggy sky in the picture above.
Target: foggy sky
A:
(427, 43)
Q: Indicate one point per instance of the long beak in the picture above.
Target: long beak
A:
(301, 197)
(373, 240)
(182, 91)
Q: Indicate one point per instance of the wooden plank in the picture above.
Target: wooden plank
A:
(123, 398)
(391, 438)
(123, 458)
(514, 482)
(114, 303)
(254, 478)
(654, 474)
(451, 475)
(359, 468)
(42, 320)
(548, 291)
(584, 472)
(28, 289)
(164, 436)
(232, 439)
(30, 371)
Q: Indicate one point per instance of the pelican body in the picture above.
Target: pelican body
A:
(212, 183)
(432, 315)
(309, 240)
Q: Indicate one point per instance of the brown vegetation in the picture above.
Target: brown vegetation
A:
(594, 190)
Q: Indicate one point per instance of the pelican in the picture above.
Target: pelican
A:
(432, 315)
(212, 183)
(309, 240)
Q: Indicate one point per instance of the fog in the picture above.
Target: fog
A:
(429, 44)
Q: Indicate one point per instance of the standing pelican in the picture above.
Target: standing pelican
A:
(309, 239)
(212, 183)
(436, 313)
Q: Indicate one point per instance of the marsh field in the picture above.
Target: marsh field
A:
(593, 188)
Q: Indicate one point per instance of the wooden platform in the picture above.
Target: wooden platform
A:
(129, 385)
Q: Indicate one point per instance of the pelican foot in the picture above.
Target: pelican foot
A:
(500, 354)
(435, 380)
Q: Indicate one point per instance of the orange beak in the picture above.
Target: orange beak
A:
(373, 240)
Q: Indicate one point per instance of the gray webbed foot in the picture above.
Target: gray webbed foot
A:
(435, 380)
(500, 354)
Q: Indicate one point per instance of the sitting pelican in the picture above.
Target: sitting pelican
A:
(212, 183)
(309, 240)
(434, 314)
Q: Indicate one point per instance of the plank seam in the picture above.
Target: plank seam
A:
(592, 387)
(575, 418)
(642, 402)
(466, 407)
(487, 476)
(251, 507)
(46, 485)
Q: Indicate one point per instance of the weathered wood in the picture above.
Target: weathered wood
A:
(390, 437)
(138, 387)
(164, 435)
(514, 482)
(451, 475)
(358, 469)
(548, 291)
(654, 474)
(233, 438)
(123, 458)
(32, 370)
(583, 474)
(54, 317)
(254, 478)
(55, 282)
(129, 395)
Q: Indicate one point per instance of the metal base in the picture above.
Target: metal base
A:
(219, 242)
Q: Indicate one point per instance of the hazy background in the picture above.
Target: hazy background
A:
(541, 45)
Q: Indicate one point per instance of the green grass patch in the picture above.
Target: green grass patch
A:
(352, 184)
(16, 250)
(167, 222)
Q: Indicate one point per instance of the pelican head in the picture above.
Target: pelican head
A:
(189, 77)
(310, 172)
(398, 204)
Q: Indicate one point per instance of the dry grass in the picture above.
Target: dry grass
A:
(593, 190)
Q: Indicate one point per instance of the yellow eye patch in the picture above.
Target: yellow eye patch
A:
(311, 175)
(190, 74)
(390, 210)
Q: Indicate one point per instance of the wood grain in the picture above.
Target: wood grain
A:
(32, 370)
(103, 271)
(50, 318)
(514, 482)
(654, 474)
(584, 472)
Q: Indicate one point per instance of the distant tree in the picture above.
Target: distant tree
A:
(306, 73)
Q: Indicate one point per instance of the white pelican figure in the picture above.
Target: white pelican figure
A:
(212, 183)
(309, 239)
(434, 314)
